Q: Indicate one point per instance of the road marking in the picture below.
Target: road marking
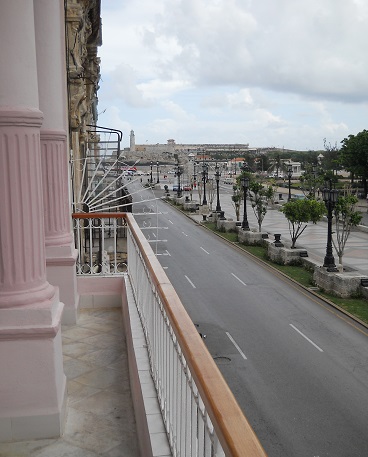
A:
(204, 250)
(237, 347)
(238, 279)
(190, 282)
(154, 234)
(184, 233)
(302, 334)
(165, 268)
(171, 222)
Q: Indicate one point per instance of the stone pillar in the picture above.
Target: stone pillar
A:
(32, 382)
(61, 255)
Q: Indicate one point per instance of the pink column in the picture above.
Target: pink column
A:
(32, 382)
(51, 66)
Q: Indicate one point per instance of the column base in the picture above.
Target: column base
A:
(32, 381)
(43, 426)
(61, 272)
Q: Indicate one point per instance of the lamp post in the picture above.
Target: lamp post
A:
(289, 175)
(194, 174)
(217, 177)
(330, 197)
(204, 179)
(178, 173)
(158, 175)
(245, 185)
(151, 180)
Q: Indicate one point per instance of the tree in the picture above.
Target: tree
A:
(354, 156)
(211, 191)
(260, 196)
(330, 161)
(237, 199)
(345, 218)
(300, 212)
(311, 180)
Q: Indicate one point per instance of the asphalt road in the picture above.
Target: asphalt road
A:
(298, 368)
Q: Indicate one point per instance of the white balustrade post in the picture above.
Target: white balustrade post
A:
(32, 382)
(61, 254)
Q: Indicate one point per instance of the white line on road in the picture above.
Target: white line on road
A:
(184, 233)
(238, 279)
(302, 334)
(237, 347)
(204, 250)
(154, 234)
(171, 222)
(168, 253)
(190, 282)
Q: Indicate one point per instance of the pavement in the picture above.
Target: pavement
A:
(314, 237)
(100, 418)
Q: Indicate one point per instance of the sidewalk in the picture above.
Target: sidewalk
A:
(313, 239)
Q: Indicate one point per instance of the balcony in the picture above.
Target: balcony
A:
(140, 379)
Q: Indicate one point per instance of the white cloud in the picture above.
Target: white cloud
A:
(288, 72)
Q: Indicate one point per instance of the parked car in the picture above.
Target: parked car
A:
(187, 187)
(175, 187)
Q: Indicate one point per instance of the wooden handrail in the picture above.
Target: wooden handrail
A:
(117, 215)
(236, 435)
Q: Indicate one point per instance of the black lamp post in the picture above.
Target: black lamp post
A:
(204, 179)
(151, 180)
(194, 174)
(158, 175)
(330, 197)
(245, 185)
(178, 174)
(217, 177)
(289, 175)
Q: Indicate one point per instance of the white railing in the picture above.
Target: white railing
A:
(101, 243)
(188, 425)
(201, 415)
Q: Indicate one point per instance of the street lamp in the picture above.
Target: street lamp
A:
(289, 175)
(194, 174)
(178, 174)
(330, 197)
(151, 180)
(245, 185)
(217, 177)
(204, 179)
(158, 176)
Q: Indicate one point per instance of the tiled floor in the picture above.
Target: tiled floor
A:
(100, 417)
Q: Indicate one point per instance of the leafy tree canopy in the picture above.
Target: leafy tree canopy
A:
(299, 213)
(354, 154)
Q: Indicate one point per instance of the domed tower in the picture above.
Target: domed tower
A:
(132, 141)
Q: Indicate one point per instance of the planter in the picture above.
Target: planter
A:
(251, 238)
(340, 284)
(285, 256)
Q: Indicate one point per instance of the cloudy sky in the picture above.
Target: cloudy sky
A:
(282, 73)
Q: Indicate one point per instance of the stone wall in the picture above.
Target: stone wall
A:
(340, 284)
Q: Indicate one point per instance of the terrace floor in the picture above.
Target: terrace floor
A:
(100, 418)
